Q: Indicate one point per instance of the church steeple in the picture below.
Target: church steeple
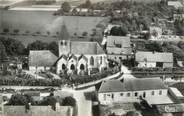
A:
(64, 41)
(64, 35)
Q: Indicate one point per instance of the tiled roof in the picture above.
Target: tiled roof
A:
(123, 40)
(85, 48)
(41, 58)
(154, 57)
(118, 45)
(132, 85)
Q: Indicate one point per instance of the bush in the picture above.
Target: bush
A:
(69, 101)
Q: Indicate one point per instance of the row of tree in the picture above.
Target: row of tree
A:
(12, 47)
(25, 99)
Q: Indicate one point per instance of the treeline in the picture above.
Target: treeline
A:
(13, 47)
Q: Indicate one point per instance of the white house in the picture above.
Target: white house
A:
(79, 56)
(41, 60)
(129, 91)
(154, 59)
(175, 4)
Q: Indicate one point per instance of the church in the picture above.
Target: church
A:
(80, 57)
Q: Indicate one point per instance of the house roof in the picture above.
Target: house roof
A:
(41, 58)
(132, 85)
(123, 40)
(78, 47)
(154, 57)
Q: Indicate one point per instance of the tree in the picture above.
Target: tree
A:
(69, 101)
(13, 47)
(2, 52)
(66, 7)
(19, 99)
(6, 30)
(37, 45)
(154, 46)
(84, 33)
(53, 47)
(16, 31)
(87, 4)
(119, 31)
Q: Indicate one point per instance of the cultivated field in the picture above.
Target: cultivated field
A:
(44, 21)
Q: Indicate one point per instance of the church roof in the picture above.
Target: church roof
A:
(132, 85)
(78, 47)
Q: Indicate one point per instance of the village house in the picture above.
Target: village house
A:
(41, 60)
(167, 38)
(132, 90)
(82, 57)
(154, 59)
(175, 4)
(118, 48)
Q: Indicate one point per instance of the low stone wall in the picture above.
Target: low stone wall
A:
(37, 111)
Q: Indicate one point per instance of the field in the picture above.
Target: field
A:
(43, 21)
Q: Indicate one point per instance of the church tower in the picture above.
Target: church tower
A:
(64, 42)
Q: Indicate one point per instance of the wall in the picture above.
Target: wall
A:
(167, 65)
(38, 69)
(96, 62)
(148, 64)
(118, 58)
(153, 64)
(114, 50)
(132, 98)
(37, 111)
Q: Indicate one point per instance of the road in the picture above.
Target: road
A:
(127, 74)
(84, 106)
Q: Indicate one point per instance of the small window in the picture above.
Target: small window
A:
(104, 96)
(61, 43)
(65, 43)
(160, 92)
(128, 94)
(121, 94)
(152, 93)
(136, 94)
(112, 96)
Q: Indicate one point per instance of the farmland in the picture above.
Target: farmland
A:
(42, 22)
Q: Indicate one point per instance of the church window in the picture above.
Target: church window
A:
(101, 59)
(82, 67)
(92, 61)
